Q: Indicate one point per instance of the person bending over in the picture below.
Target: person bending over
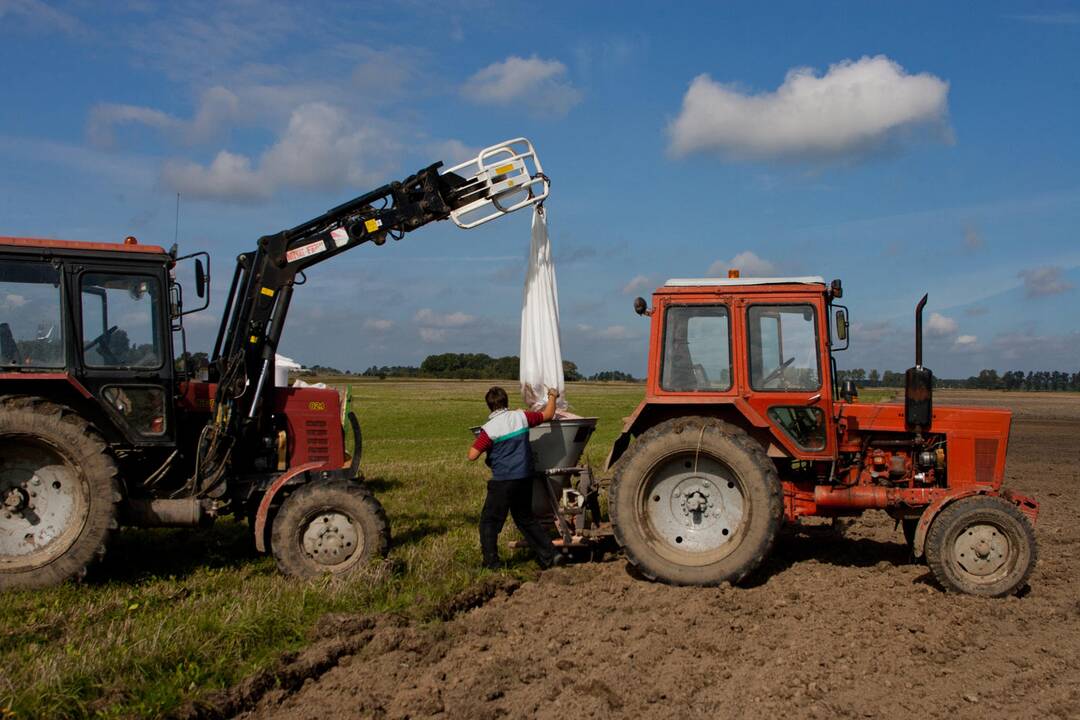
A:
(505, 439)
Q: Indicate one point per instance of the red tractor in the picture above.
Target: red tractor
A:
(103, 423)
(744, 427)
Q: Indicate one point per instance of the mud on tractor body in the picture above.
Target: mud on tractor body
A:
(744, 427)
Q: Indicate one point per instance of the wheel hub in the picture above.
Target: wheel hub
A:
(16, 499)
(981, 549)
(330, 538)
(42, 504)
(695, 509)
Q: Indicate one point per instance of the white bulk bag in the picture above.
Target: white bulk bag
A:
(541, 350)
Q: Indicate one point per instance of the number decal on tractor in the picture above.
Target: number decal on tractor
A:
(316, 405)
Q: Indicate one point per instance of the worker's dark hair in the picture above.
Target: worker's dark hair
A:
(496, 399)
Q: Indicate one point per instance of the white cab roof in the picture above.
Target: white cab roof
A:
(696, 282)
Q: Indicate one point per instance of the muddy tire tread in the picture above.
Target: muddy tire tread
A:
(693, 424)
(83, 441)
(286, 555)
(936, 539)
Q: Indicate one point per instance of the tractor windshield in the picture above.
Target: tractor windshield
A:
(31, 333)
(783, 348)
(120, 320)
(697, 346)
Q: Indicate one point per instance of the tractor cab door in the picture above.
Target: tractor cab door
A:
(786, 374)
(124, 347)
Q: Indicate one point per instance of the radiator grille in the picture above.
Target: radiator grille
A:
(318, 440)
(985, 458)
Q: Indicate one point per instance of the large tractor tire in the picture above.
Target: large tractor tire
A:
(695, 501)
(58, 494)
(329, 528)
(981, 545)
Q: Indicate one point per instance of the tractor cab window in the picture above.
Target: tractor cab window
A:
(783, 348)
(31, 332)
(120, 320)
(697, 347)
(805, 425)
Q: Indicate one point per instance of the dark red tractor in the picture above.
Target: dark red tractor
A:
(104, 422)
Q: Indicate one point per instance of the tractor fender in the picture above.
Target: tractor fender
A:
(1027, 506)
(268, 498)
(735, 411)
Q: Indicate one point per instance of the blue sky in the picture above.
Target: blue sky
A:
(905, 148)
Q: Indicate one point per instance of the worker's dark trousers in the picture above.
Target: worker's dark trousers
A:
(515, 496)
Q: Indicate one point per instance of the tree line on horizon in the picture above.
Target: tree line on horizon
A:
(987, 379)
(480, 366)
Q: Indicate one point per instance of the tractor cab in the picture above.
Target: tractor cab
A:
(91, 325)
(756, 349)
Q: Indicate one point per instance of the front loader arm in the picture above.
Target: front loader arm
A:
(501, 179)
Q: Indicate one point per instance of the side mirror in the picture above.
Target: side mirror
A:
(200, 278)
(841, 325)
(836, 288)
(641, 307)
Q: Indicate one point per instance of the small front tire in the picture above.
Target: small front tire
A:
(981, 545)
(329, 528)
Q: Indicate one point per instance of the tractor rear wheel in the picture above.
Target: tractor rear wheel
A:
(695, 501)
(981, 545)
(329, 527)
(58, 494)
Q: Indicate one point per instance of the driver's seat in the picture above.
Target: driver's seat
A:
(9, 349)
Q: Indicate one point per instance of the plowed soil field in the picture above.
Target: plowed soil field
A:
(836, 624)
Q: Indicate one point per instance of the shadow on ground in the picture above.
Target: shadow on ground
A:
(139, 554)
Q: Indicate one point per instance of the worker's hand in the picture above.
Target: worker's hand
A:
(553, 392)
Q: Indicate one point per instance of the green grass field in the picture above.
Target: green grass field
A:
(172, 613)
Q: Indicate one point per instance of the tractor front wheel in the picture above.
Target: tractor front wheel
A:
(329, 528)
(695, 501)
(981, 545)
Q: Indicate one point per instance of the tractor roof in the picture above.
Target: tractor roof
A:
(724, 282)
(49, 244)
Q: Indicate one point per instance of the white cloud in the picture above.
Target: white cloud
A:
(218, 108)
(378, 324)
(584, 327)
(639, 282)
(228, 177)
(855, 108)
(747, 263)
(1042, 281)
(320, 149)
(966, 340)
(1055, 351)
(430, 318)
(537, 83)
(37, 13)
(433, 335)
(940, 325)
(615, 332)
(453, 152)
(12, 302)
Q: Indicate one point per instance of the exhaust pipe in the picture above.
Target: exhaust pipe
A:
(918, 385)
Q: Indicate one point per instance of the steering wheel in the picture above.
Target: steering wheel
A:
(103, 341)
(778, 372)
